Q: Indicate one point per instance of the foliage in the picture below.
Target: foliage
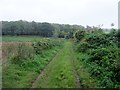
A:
(22, 75)
(16, 28)
(103, 62)
(27, 39)
(27, 28)
(82, 47)
(59, 73)
(43, 44)
(24, 52)
(79, 34)
(61, 34)
(97, 40)
(25, 64)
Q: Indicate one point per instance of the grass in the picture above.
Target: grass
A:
(59, 73)
(16, 77)
(19, 38)
(86, 79)
(22, 76)
(15, 50)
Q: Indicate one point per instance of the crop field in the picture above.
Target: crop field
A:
(89, 60)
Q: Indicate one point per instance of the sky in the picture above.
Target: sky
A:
(80, 12)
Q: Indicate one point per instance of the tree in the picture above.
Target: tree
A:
(47, 30)
(42, 29)
(61, 34)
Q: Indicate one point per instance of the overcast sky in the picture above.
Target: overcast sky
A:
(81, 12)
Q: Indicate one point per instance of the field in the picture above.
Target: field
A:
(22, 58)
(19, 38)
(89, 60)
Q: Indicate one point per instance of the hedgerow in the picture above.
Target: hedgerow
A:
(26, 52)
(43, 44)
(103, 63)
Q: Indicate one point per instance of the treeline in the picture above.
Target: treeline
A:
(36, 28)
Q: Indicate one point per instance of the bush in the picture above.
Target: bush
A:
(79, 35)
(82, 47)
(103, 63)
(24, 52)
(97, 40)
(43, 44)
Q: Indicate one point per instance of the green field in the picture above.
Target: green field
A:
(19, 38)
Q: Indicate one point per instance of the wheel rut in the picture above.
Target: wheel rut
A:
(64, 60)
(78, 80)
(41, 74)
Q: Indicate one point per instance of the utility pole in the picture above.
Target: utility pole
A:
(119, 15)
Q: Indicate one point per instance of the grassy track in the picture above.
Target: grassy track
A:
(59, 73)
(23, 76)
(65, 70)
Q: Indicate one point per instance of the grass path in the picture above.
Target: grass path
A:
(60, 72)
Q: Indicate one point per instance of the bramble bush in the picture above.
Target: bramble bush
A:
(82, 47)
(43, 44)
(80, 34)
(104, 51)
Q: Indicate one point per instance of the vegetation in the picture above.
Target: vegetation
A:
(43, 44)
(44, 55)
(80, 34)
(20, 38)
(25, 64)
(103, 62)
(17, 28)
(59, 73)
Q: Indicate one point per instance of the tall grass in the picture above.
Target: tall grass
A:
(16, 52)
(24, 64)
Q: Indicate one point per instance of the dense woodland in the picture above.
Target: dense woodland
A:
(40, 29)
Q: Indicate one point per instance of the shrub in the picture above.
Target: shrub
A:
(24, 52)
(43, 44)
(80, 34)
(103, 63)
(82, 47)
(97, 40)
